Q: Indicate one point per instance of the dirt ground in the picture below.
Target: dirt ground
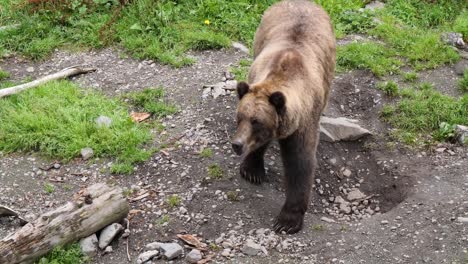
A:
(411, 218)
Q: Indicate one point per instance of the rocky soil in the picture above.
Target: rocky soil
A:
(373, 202)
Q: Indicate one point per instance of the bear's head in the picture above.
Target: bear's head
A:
(259, 114)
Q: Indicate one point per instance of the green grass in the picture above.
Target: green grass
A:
(318, 227)
(58, 120)
(390, 88)
(164, 219)
(206, 153)
(215, 171)
(410, 76)
(233, 196)
(242, 70)
(463, 82)
(461, 25)
(64, 255)
(423, 111)
(4, 75)
(151, 100)
(49, 188)
(368, 55)
(173, 201)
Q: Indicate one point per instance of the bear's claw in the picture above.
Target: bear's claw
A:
(253, 172)
(288, 222)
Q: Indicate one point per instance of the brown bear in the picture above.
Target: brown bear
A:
(287, 90)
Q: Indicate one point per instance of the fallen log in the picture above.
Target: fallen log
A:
(67, 72)
(91, 210)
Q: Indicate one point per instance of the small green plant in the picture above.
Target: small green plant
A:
(67, 187)
(446, 132)
(164, 219)
(390, 88)
(241, 72)
(410, 77)
(173, 201)
(64, 255)
(128, 192)
(214, 247)
(344, 228)
(49, 188)
(151, 100)
(206, 153)
(463, 83)
(318, 227)
(4, 75)
(215, 171)
(232, 196)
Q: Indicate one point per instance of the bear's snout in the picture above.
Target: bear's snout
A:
(237, 147)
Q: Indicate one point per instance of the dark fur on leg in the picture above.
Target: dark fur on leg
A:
(298, 154)
(253, 168)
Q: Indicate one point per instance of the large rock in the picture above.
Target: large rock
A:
(145, 256)
(453, 39)
(108, 234)
(89, 245)
(341, 129)
(171, 250)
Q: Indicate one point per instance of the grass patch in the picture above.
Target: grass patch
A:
(233, 196)
(64, 255)
(151, 100)
(164, 219)
(49, 188)
(368, 55)
(390, 88)
(58, 120)
(173, 201)
(463, 83)
(4, 75)
(461, 24)
(410, 76)
(215, 171)
(206, 153)
(318, 227)
(423, 110)
(241, 72)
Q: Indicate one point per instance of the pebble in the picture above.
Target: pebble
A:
(194, 256)
(355, 195)
(30, 69)
(463, 220)
(384, 222)
(87, 153)
(153, 246)
(251, 248)
(89, 245)
(328, 220)
(346, 173)
(145, 256)
(103, 121)
(108, 250)
(226, 252)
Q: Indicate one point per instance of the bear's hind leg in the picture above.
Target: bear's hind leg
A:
(298, 154)
(252, 167)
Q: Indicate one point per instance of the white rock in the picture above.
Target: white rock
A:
(344, 208)
(375, 5)
(30, 69)
(463, 220)
(346, 172)
(328, 220)
(89, 245)
(462, 134)
(103, 121)
(145, 256)
(108, 250)
(251, 248)
(338, 129)
(171, 250)
(340, 200)
(108, 234)
(153, 246)
(194, 256)
(355, 194)
(87, 153)
(226, 252)
(231, 85)
(240, 47)
(384, 222)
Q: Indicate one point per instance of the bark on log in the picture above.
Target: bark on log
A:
(91, 210)
(67, 72)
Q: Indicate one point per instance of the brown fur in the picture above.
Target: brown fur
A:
(289, 83)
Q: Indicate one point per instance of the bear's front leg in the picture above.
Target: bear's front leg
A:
(298, 154)
(252, 167)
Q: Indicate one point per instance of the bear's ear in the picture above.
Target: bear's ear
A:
(278, 100)
(242, 89)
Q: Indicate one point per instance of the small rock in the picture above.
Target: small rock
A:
(332, 161)
(462, 134)
(453, 39)
(194, 256)
(460, 67)
(126, 233)
(384, 222)
(341, 129)
(87, 153)
(340, 200)
(153, 246)
(57, 166)
(103, 121)
(251, 248)
(145, 256)
(375, 5)
(344, 208)
(30, 69)
(89, 245)
(108, 234)
(108, 250)
(463, 220)
(171, 250)
(328, 220)
(226, 252)
(240, 47)
(346, 172)
(355, 194)
(231, 85)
